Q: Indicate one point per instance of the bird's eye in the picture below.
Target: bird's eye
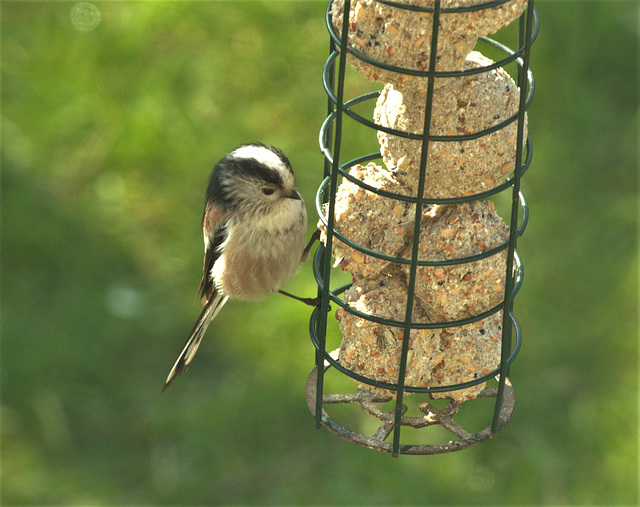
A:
(268, 190)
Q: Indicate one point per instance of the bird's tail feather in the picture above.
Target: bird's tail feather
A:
(209, 312)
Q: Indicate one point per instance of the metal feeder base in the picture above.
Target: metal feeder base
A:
(433, 416)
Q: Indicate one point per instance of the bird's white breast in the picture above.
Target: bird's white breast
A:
(261, 254)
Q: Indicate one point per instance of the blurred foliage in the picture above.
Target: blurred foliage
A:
(108, 136)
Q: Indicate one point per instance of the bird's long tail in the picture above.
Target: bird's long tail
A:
(210, 310)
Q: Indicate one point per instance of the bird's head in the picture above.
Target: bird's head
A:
(254, 178)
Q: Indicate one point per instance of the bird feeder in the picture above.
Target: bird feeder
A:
(428, 314)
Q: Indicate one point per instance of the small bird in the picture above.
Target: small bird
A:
(254, 227)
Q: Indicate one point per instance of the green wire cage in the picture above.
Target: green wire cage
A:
(383, 400)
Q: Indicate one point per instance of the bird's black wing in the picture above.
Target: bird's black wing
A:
(214, 228)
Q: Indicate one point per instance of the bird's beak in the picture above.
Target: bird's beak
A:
(293, 194)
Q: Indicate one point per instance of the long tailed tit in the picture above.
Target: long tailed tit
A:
(254, 226)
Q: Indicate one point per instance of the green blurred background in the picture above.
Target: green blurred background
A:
(108, 137)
